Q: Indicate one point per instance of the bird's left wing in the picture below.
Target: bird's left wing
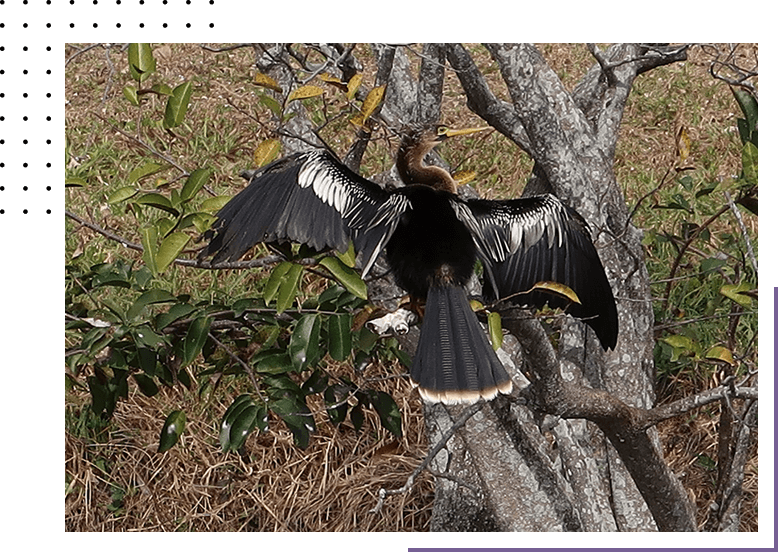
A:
(308, 198)
(538, 239)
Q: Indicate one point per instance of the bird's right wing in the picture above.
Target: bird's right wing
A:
(308, 198)
(538, 239)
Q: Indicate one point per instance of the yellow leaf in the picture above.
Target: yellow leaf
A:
(266, 152)
(720, 353)
(307, 91)
(353, 86)
(463, 177)
(264, 80)
(738, 293)
(372, 101)
(683, 145)
(326, 77)
(557, 289)
(357, 120)
(329, 79)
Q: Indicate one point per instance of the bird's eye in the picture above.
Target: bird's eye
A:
(442, 130)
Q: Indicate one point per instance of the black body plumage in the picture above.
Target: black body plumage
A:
(432, 240)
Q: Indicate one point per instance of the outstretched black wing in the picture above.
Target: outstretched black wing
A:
(525, 241)
(308, 198)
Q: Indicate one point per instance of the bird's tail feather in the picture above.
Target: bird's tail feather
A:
(454, 361)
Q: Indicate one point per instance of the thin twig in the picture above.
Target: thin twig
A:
(461, 421)
(140, 142)
(743, 230)
(236, 358)
(254, 263)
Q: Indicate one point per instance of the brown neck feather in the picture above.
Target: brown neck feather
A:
(410, 165)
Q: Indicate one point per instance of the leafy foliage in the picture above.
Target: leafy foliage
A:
(712, 279)
(152, 336)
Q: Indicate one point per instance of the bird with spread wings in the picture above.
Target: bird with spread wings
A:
(432, 239)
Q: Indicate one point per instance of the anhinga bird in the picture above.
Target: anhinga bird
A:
(432, 239)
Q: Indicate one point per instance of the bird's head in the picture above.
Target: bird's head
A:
(416, 143)
(425, 138)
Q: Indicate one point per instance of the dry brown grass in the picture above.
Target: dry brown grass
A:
(117, 480)
(274, 486)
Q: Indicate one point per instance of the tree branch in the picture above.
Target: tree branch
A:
(480, 99)
(664, 495)
(254, 263)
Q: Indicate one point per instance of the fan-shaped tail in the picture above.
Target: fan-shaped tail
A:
(454, 361)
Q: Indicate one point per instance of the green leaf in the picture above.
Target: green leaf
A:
(750, 158)
(316, 383)
(238, 421)
(121, 194)
(147, 359)
(336, 407)
(750, 108)
(145, 170)
(288, 288)
(357, 417)
(339, 336)
(682, 346)
(495, 329)
(387, 411)
(241, 403)
(145, 336)
(176, 312)
(162, 89)
(146, 385)
(75, 182)
(131, 93)
(171, 430)
(244, 422)
(277, 276)
(297, 417)
(213, 204)
(271, 361)
(349, 257)
(197, 179)
(148, 239)
(150, 297)
(177, 104)
(347, 277)
(304, 341)
(99, 394)
(281, 386)
(271, 103)
(201, 221)
(711, 263)
(141, 59)
(169, 249)
(195, 339)
(159, 201)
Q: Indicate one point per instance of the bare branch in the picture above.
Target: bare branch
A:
(743, 230)
(462, 420)
(482, 101)
(254, 263)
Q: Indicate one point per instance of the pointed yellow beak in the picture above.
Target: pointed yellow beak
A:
(452, 132)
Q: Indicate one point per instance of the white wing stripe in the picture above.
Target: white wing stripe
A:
(502, 233)
(328, 184)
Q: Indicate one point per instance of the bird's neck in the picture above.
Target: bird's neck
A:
(413, 170)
